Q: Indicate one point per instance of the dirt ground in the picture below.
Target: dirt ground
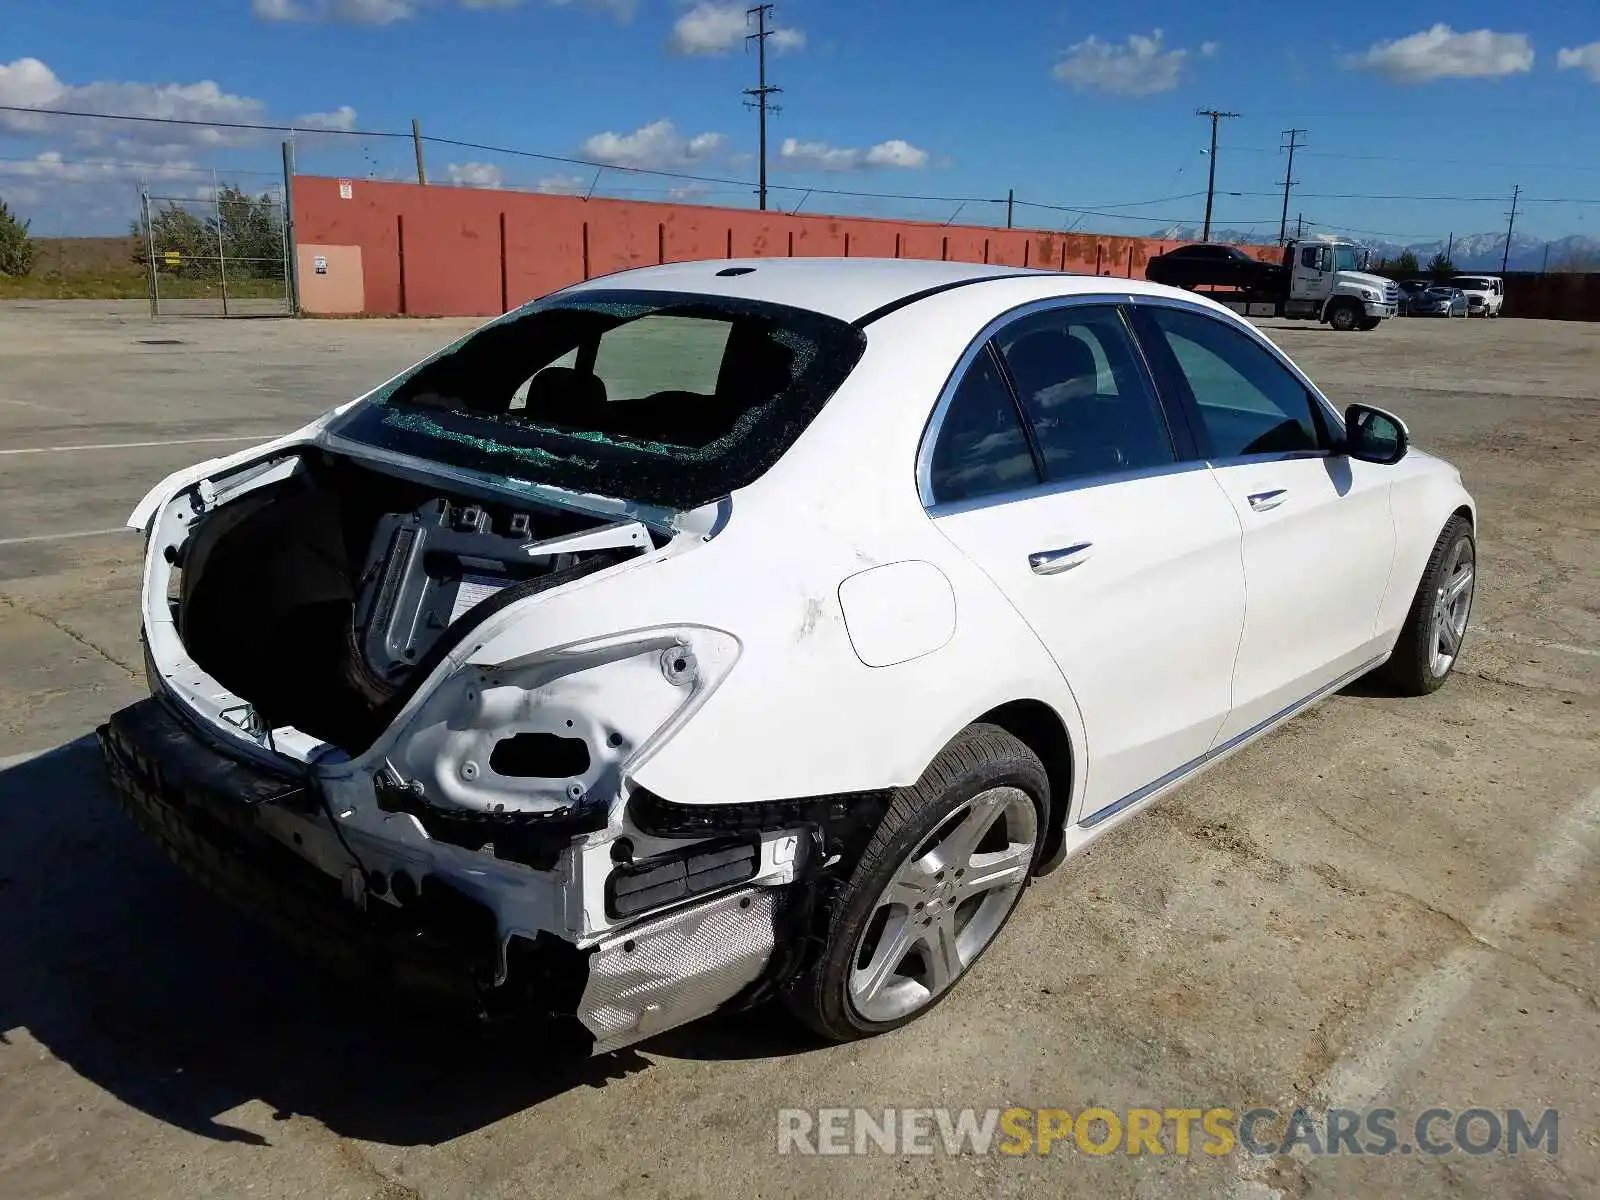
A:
(1387, 903)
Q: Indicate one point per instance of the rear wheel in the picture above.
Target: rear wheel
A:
(1430, 641)
(935, 886)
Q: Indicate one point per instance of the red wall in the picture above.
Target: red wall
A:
(448, 251)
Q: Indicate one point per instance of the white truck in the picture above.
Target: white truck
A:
(1486, 294)
(1319, 279)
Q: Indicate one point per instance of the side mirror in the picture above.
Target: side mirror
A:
(1374, 436)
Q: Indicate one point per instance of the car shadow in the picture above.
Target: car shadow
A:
(143, 983)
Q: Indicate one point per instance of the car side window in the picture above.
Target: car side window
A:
(1248, 401)
(1308, 257)
(982, 449)
(1076, 373)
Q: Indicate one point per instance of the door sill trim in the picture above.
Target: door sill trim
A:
(1177, 774)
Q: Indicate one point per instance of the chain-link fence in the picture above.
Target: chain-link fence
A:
(225, 254)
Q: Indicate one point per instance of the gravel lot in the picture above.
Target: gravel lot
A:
(1389, 902)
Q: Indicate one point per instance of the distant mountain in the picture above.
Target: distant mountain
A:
(1469, 252)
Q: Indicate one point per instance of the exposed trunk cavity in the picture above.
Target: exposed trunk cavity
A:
(325, 599)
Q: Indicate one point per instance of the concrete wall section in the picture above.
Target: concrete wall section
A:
(447, 251)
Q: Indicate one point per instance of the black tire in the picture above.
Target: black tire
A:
(1344, 316)
(1410, 669)
(977, 759)
(1368, 324)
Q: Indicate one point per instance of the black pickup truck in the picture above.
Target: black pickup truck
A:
(1213, 266)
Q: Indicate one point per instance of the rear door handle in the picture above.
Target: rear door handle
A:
(1263, 501)
(1053, 562)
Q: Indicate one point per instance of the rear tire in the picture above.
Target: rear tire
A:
(906, 929)
(1430, 641)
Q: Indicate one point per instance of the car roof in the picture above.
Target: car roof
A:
(846, 288)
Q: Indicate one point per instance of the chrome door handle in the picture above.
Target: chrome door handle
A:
(1053, 562)
(1262, 501)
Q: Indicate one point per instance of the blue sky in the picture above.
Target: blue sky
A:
(1089, 107)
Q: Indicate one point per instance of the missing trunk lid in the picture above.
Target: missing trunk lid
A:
(325, 599)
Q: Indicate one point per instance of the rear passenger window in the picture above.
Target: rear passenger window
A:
(1077, 375)
(981, 450)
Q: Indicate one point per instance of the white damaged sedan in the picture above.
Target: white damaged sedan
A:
(717, 632)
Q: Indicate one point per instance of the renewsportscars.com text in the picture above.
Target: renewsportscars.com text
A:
(1261, 1131)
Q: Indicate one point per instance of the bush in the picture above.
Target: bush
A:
(1440, 266)
(17, 247)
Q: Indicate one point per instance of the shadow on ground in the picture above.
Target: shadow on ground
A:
(144, 984)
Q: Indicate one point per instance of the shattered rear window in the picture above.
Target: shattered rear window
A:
(661, 398)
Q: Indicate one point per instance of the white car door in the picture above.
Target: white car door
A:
(1052, 465)
(1319, 538)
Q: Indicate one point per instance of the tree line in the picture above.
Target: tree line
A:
(239, 232)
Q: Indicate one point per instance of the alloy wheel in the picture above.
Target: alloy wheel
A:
(1452, 605)
(944, 905)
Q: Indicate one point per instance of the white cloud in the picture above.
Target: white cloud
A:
(657, 146)
(1142, 66)
(1583, 58)
(475, 174)
(52, 166)
(787, 39)
(716, 27)
(362, 12)
(340, 119)
(385, 12)
(30, 83)
(562, 185)
(1442, 53)
(820, 156)
(1209, 49)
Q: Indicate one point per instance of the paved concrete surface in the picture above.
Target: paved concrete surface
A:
(1390, 902)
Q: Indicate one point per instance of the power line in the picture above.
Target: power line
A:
(1288, 182)
(262, 127)
(1412, 160)
(1211, 180)
(762, 90)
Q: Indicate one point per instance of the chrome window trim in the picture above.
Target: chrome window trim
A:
(1041, 491)
(1228, 317)
(935, 421)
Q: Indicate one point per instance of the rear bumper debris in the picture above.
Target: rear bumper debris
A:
(210, 813)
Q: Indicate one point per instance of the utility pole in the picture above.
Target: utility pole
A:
(1211, 181)
(1288, 180)
(1011, 199)
(1299, 226)
(763, 89)
(416, 142)
(1511, 224)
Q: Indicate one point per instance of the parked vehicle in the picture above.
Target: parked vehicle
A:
(1408, 289)
(1440, 300)
(1486, 294)
(605, 667)
(1317, 280)
(1207, 264)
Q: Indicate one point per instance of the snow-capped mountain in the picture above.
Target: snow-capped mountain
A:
(1469, 252)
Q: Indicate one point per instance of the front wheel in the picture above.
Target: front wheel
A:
(936, 884)
(1368, 324)
(1344, 317)
(1430, 640)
